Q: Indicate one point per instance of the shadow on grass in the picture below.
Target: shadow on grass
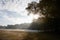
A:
(42, 36)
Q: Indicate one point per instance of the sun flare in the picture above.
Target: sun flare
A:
(36, 16)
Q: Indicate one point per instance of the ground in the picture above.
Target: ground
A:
(21, 35)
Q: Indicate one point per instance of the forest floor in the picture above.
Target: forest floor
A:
(21, 35)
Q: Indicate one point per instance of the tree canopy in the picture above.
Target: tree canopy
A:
(50, 9)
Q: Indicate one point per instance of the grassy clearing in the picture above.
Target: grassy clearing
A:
(19, 35)
(12, 35)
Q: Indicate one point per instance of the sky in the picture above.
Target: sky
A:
(13, 12)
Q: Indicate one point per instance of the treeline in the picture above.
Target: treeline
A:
(17, 26)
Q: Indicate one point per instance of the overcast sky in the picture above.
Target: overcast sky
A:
(13, 12)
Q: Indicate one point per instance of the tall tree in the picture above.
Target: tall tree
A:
(50, 9)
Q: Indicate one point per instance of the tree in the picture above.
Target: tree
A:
(50, 9)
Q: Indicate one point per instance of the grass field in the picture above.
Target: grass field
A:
(21, 35)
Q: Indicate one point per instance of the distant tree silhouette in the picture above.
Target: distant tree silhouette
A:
(10, 27)
(2, 27)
